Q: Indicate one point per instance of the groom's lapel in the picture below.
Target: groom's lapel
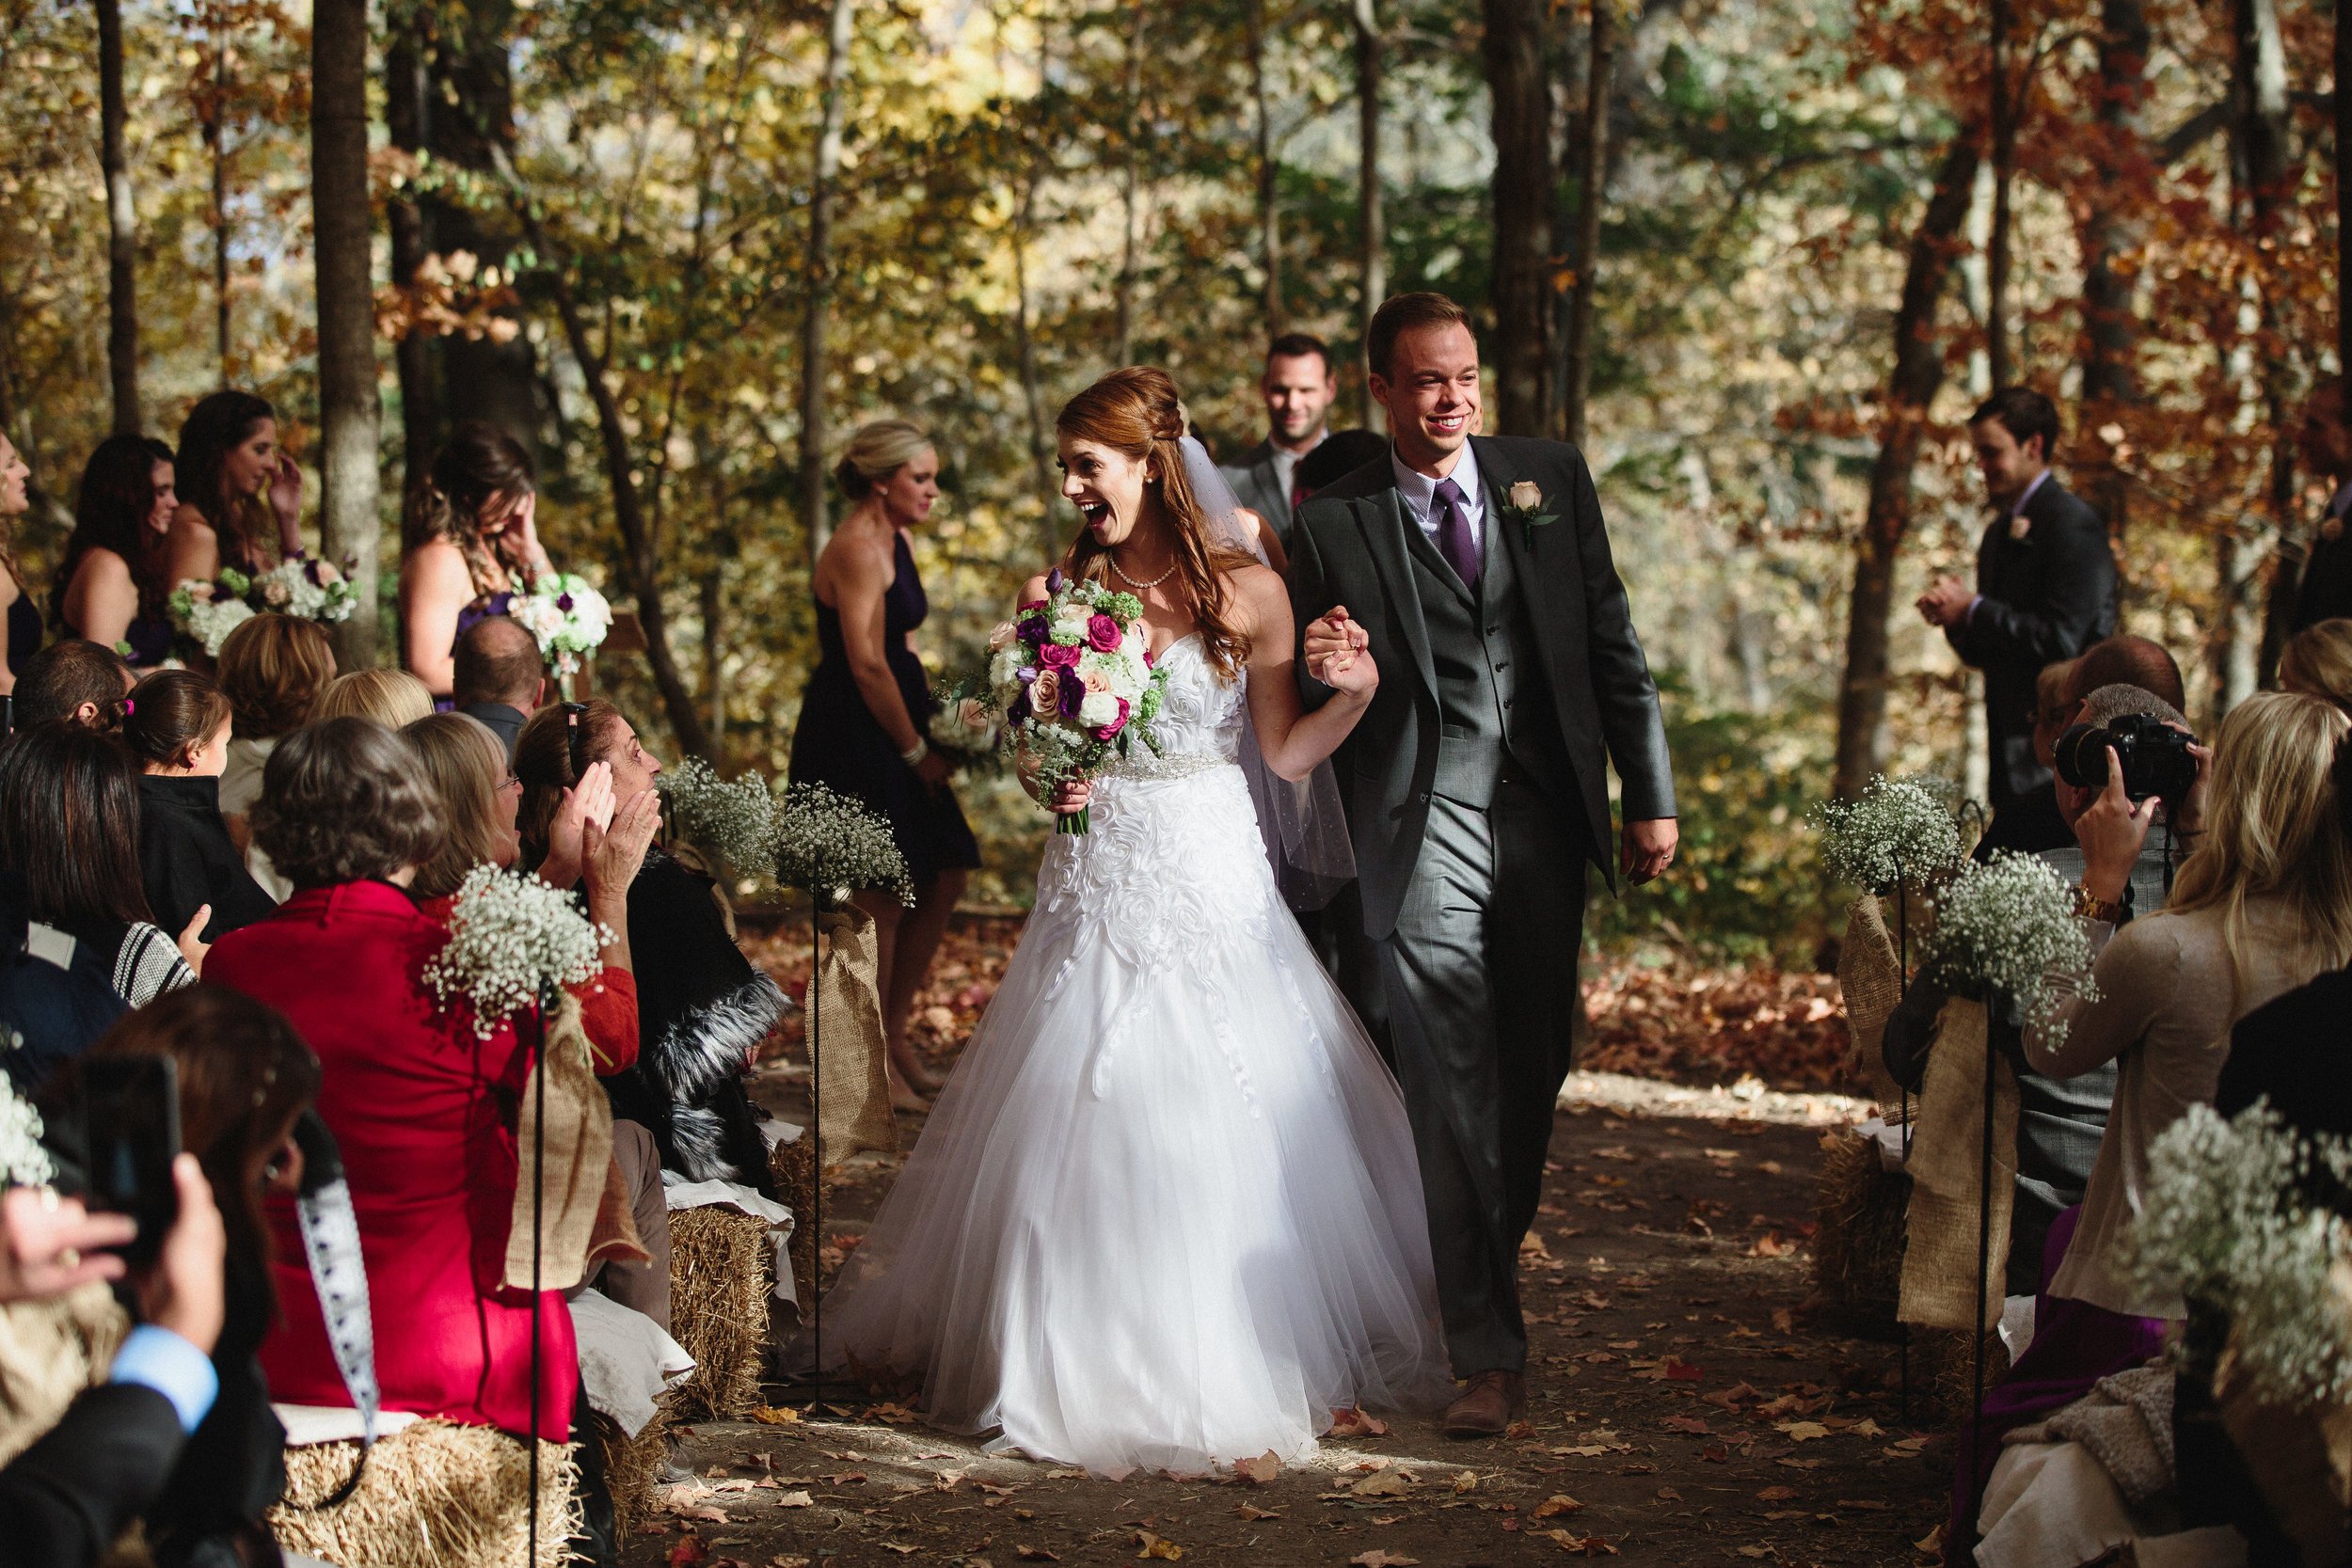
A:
(1384, 523)
(1543, 564)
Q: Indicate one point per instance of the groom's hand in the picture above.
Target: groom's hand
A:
(1648, 848)
(1332, 634)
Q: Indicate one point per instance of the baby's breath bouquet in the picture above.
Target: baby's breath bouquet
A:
(511, 939)
(832, 845)
(1897, 831)
(2230, 1223)
(2006, 926)
(24, 1161)
(734, 821)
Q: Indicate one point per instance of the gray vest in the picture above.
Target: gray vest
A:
(1494, 706)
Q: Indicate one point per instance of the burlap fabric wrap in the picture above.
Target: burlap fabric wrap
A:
(2300, 1458)
(1871, 979)
(1940, 1262)
(853, 1094)
(577, 1170)
(50, 1352)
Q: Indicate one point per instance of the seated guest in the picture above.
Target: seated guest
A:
(422, 1105)
(2127, 661)
(2316, 662)
(500, 677)
(73, 681)
(2263, 904)
(178, 730)
(110, 587)
(54, 999)
(702, 1008)
(66, 1499)
(272, 669)
(245, 1079)
(478, 797)
(390, 697)
(70, 827)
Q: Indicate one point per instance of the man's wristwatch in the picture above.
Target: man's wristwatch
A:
(2090, 906)
(913, 756)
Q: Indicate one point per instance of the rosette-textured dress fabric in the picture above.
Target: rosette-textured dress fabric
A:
(1166, 1212)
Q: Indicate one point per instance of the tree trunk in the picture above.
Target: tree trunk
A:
(714, 671)
(1269, 209)
(1518, 90)
(819, 270)
(2113, 226)
(2344, 197)
(1592, 190)
(1130, 178)
(470, 123)
(1372, 237)
(122, 233)
(214, 117)
(2002, 110)
(406, 117)
(1917, 375)
(349, 410)
(2265, 167)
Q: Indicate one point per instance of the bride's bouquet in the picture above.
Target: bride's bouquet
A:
(301, 586)
(1074, 679)
(567, 615)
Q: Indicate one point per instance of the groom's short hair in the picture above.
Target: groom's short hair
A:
(1405, 314)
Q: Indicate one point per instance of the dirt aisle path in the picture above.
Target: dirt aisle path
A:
(1683, 1410)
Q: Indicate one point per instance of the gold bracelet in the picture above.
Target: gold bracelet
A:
(2090, 906)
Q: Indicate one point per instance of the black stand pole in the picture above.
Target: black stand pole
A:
(1984, 1255)
(818, 1385)
(538, 1233)
(1902, 989)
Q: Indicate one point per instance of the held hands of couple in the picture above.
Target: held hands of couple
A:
(1339, 654)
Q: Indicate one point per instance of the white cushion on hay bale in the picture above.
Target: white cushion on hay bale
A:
(627, 1362)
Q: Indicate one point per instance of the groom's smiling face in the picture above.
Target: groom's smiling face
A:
(1431, 392)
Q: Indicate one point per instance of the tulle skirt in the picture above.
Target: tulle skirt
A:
(1166, 1212)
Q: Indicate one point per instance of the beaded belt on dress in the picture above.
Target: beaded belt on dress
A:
(1145, 764)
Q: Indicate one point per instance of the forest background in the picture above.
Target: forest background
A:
(1758, 257)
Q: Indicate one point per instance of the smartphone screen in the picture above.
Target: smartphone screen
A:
(131, 1118)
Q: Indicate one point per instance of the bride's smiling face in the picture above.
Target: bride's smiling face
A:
(1107, 486)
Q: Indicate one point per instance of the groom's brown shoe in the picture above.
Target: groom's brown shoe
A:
(1488, 1406)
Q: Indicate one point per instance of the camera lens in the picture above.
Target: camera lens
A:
(2081, 753)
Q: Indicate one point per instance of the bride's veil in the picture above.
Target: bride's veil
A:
(1303, 824)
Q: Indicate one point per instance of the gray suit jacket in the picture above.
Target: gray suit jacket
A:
(1349, 547)
(1258, 487)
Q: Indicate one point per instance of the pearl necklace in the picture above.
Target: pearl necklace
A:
(1141, 587)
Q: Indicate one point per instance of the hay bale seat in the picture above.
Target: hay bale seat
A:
(721, 1271)
(1858, 1243)
(631, 1466)
(435, 1494)
(792, 1168)
(1940, 1367)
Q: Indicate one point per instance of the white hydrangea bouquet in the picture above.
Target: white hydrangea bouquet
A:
(965, 727)
(512, 940)
(1898, 832)
(300, 586)
(568, 617)
(1075, 678)
(2006, 927)
(24, 1161)
(832, 845)
(2230, 1223)
(734, 821)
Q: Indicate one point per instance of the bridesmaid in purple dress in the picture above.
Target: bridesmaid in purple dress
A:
(469, 541)
(865, 715)
(110, 589)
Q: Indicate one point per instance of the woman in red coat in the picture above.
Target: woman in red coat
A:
(422, 1108)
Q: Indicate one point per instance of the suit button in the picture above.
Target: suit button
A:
(1422, 798)
(1507, 702)
(1494, 632)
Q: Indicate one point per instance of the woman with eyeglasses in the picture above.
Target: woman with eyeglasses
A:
(702, 1008)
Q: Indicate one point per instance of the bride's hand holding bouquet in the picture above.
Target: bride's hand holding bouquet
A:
(1078, 687)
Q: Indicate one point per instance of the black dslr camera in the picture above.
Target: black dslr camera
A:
(2154, 754)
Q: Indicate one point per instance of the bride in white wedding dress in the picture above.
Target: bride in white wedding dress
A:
(1166, 1213)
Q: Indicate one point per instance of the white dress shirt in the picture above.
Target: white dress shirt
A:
(1421, 497)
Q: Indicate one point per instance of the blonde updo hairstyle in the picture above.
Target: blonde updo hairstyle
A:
(1138, 413)
(2317, 661)
(878, 451)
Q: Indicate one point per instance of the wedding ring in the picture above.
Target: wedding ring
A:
(69, 1259)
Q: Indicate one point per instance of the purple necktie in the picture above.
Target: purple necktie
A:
(1454, 534)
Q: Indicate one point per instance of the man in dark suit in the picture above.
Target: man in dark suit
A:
(2045, 591)
(1478, 573)
(1299, 387)
(2323, 591)
(500, 678)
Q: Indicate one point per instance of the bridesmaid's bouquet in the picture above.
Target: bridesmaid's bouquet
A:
(1074, 679)
(300, 586)
(568, 616)
(511, 940)
(965, 727)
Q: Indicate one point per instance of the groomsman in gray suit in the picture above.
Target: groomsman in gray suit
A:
(1478, 572)
(1298, 388)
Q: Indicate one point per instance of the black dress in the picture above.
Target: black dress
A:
(189, 860)
(23, 630)
(840, 743)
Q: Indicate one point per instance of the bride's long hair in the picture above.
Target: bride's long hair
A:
(1136, 412)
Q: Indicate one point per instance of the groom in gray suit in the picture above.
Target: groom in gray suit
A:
(1478, 573)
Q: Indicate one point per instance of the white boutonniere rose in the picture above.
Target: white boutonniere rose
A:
(2020, 525)
(1523, 503)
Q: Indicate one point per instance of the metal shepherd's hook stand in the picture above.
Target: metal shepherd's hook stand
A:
(538, 1236)
(819, 1387)
(1902, 990)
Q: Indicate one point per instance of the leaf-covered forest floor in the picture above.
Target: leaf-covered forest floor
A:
(1684, 1406)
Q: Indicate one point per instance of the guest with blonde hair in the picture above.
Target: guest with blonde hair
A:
(2317, 661)
(393, 698)
(865, 715)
